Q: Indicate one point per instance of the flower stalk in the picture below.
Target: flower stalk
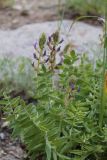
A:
(104, 79)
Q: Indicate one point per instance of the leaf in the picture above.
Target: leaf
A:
(67, 61)
(48, 149)
(44, 68)
(77, 152)
(63, 157)
(37, 146)
(72, 53)
(54, 155)
(67, 47)
(3, 102)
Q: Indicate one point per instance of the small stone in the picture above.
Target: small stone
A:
(5, 124)
(1, 152)
(15, 21)
(2, 136)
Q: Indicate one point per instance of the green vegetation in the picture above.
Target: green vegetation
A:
(69, 119)
(90, 7)
(59, 111)
(15, 76)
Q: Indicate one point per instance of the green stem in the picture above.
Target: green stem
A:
(102, 107)
(81, 18)
(61, 16)
(102, 93)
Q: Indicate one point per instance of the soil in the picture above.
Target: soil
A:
(10, 149)
(27, 12)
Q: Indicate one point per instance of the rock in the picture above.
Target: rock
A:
(5, 124)
(2, 136)
(19, 42)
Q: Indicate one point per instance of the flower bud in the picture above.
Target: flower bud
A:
(35, 45)
(49, 38)
(72, 86)
(58, 49)
(44, 53)
(61, 41)
(34, 55)
(46, 60)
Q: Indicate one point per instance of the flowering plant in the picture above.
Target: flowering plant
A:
(69, 120)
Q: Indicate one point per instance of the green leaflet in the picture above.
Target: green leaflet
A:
(48, 149)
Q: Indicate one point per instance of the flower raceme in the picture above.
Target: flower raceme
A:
(46, 50)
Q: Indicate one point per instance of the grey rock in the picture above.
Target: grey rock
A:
(2, 136)
(19, 42)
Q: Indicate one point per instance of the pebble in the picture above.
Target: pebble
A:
(2, 136)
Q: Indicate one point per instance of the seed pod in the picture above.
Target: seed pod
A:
(35, 45)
